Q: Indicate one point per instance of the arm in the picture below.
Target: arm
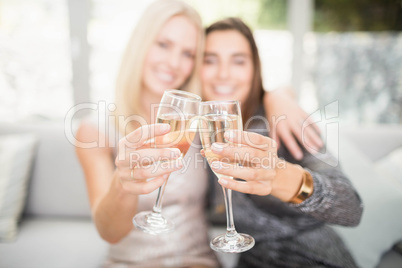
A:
(334, 200)
(286, 119)
(113, 193)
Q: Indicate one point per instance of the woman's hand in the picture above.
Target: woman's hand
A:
(286, 120)
(257, 156)
(142, 169)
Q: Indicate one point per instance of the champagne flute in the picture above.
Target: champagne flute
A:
(216, 117)
(177, 108)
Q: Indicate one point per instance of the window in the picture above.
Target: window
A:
(35, 65)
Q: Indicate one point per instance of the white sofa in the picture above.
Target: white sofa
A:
(367, 156)
(56, 229)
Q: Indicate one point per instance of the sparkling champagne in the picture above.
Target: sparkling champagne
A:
(212, 130)
(176, 108)
(181, 135)
(217, 117)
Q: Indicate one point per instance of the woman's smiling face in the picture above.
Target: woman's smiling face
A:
(227, 70)
(170, 59)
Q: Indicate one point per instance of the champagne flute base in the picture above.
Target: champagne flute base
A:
(232, 244)
(152, 223)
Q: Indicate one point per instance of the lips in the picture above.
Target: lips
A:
(223, 90)
(165, 77)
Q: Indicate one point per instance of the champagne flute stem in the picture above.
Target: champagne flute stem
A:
(158, 203)
(230, 229)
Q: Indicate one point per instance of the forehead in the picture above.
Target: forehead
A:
(179, 29)
(227, 42)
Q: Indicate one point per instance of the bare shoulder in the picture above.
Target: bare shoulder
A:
(97, 161)
(92, 143)
(87, 133)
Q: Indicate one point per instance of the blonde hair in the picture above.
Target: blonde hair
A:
(129, 78)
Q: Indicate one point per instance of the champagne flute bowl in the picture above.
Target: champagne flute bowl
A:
(215, 118)
(177, 108)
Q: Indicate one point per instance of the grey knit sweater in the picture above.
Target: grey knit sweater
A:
(289, 235)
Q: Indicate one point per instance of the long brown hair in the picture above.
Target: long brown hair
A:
(254, 99)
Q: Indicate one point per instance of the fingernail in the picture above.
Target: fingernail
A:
(229, 134)
(176, 152)
(164, 127)
(299, 155)
(217, 147)
(216, 165)
(222, 181)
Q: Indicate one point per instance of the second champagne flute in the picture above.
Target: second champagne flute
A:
(216, 117)
(177, 108)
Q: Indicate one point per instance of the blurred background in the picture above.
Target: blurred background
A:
(341, 57)
(57, 53)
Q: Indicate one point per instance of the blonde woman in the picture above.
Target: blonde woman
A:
(165, 51)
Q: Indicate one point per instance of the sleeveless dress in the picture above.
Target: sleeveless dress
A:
(183, 203)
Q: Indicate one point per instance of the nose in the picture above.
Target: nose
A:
(174, 59)
(223, 71)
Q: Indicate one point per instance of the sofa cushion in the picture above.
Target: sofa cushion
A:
(16, 154)
(55, 242)
(374, 141)
(380, 226)
(57, 185)
(390, 167)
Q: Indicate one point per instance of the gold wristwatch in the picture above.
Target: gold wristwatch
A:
(306, 188)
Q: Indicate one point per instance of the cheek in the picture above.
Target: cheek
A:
(207, 73)
(246, 78)
(151, 56)
(245, 74)
(187, 68)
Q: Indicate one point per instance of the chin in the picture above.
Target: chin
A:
(216, 97)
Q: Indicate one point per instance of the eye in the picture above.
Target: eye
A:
(188, 54)
(162, 44)
(210, 60)
(239, 60)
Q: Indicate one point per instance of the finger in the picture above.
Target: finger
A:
(313, 139)
(266, 171)
(138, 137)
(251, 139)
(291, 144)
(307, 137)
(247, 187)
(150, 171)
(145, 187)
(296, 130)
(144, 157)
(273, 133)
(238, 153)
(310, 122)
(202, 152)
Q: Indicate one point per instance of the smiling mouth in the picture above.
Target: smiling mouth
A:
(223, 90)
(165, 77)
